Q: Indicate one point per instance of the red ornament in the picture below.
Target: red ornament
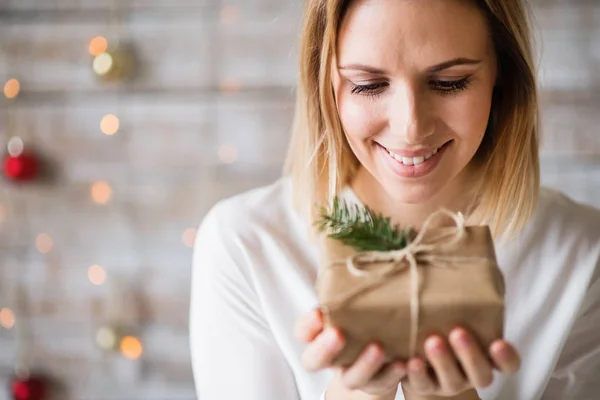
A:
(19, 165)
(23, 167)
(31, 388)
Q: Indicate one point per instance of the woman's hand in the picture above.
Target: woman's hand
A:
(457, 365)
(368, 373)
(452, 366)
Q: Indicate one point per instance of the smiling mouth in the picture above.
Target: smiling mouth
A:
(410, 161)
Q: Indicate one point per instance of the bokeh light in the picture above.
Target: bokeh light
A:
(107, 338)
(12, 87)
(7, 318)
(15, 146)
(131, 347)
(44, 243)
(96, 275)
(109, 124)
(101, 192)
(103, 63)
(98, 45)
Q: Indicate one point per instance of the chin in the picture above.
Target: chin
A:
(411, 193)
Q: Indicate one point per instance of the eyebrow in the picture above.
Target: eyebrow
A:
(434, 68)
(452, 63)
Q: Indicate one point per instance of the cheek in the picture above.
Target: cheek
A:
(360, 117)
(468, 116)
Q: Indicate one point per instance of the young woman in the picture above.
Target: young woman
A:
(405, 106)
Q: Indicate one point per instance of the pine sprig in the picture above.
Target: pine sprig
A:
(361, 228)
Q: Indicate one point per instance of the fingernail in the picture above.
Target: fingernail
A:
(461, 338)
(498, 348)
(502, 351)
(373, 353)
(435, 346)
(416, 366)
(507, 360)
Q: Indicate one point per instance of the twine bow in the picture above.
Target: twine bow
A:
(428, 251)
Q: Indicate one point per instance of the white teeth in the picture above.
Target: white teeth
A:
(413, 160)
(418, 160)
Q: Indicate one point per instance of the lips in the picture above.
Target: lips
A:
(414, 157)
(422, 162)
(413, 160)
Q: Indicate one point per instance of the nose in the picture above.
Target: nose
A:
(410, 116)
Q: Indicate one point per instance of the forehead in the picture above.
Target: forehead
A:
(387, 30)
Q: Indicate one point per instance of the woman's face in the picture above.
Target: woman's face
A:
(413, 85)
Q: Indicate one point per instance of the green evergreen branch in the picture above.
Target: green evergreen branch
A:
(361, 228)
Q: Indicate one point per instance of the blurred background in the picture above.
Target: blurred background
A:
(123, 121)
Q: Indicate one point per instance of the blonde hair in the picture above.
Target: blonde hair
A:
(320, 162)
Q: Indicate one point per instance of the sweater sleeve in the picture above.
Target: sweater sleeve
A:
(234, 354)
(578, 368)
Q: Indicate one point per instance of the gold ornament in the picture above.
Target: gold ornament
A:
(114, 64)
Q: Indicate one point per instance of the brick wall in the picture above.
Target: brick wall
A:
(217, 80)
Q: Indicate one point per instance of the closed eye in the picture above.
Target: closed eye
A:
(450, 87)
(372, 89)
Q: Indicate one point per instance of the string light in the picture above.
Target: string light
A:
(188, 237)
(98, 45)
(109, 124)
(44, 243)
(12, 87)
(7, 318)
(101, 192)
(227, 154)
(131, 347)
(96, 275)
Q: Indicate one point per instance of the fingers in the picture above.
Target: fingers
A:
(322, 350)
(445, 365)
(419, 378)
(309, 325)
(474, 362)
(364, 368)
(505, 356)
(387, 378)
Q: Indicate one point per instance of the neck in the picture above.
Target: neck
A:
(453, 197)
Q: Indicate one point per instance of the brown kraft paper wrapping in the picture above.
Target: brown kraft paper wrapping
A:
(453, 281)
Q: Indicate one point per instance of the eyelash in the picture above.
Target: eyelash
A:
(443, 88)
(449, 87)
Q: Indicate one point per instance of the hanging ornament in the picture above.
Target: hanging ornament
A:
(19, 164)
(24, 384)
(113, 59)
(29, 387)
(115, 64)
